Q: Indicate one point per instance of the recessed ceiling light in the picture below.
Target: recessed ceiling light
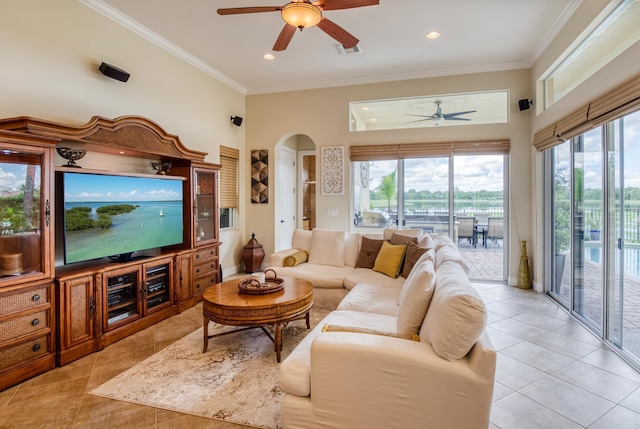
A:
(365, 108)
(269, 56)
(373, 120)
(433, 35)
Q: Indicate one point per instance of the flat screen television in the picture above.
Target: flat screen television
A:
(107, 215)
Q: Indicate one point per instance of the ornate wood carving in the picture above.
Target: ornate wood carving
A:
(134, 133)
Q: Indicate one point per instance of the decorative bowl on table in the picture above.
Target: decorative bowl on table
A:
(253, 286)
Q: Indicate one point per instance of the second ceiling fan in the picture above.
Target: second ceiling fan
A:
(439, 117)
(299, 14)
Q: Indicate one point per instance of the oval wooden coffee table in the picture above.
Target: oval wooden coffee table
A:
(223, 303)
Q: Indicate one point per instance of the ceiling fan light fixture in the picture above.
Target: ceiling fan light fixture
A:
(301, 15)
(438, 120)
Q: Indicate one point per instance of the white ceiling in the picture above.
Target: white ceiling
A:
(476, 36)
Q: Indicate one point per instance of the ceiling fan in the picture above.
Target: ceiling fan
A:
(438, 118)
(303, 14)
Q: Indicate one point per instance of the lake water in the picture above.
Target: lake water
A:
(143, 228)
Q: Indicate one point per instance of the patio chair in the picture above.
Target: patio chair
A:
(494, 230)
(467, 229)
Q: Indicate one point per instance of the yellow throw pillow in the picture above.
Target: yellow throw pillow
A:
(297, 258)
(389, 259)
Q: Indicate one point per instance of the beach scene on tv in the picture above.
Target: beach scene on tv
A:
(116, 215)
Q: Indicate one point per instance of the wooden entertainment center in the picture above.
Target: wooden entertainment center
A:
(52, 314)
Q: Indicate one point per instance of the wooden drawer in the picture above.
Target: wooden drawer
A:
(24, 352)
(205, 268)
(23, 325)
(204, 254)
(12, 303)
(200, 284)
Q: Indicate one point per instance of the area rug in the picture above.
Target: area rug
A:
(236, 380)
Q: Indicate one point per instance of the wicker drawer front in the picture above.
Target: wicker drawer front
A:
(23, 325)
(24, 300)
(24, 352)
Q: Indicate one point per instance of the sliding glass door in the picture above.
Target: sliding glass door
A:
(594, 227)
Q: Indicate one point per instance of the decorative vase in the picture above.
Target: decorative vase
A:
(252, 255)
(524, 278)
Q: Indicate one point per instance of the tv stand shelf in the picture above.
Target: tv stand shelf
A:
(89, 305)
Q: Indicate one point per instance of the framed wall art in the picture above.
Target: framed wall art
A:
(333, 170)
(260, 176)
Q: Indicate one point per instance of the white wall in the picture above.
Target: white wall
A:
(323, 116)
(51, 51)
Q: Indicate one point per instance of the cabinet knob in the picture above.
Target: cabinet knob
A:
(211, 252)
(197, 256)
(197, 270)
(212, 265)
(35, 322)
(197, 285)
(36, 347)
(35, 297)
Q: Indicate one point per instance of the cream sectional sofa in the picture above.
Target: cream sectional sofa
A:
(396, 352)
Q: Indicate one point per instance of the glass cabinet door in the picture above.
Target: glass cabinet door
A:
(122, 297)
(205, 207)
(24, 213)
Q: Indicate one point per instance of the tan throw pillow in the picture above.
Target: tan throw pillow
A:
(415, 300)
(401, 239)
(411, 257)
(368, 252)
(389, 259)
(327, 247)
(296, 259)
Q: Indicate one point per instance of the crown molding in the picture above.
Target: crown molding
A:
(142, 31)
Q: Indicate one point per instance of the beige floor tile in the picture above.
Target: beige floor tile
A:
(568, 400)
(597, 381)
(618, 418)
(519, 412)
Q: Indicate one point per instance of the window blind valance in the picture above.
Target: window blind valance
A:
(614, 104)
(428, 150)
(229, 177)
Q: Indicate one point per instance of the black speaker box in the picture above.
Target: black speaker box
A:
(524, 104)
(114, 72)
(237, 120)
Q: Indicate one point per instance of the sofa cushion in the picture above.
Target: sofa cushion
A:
(373, 298)
(369, 250)
(456, 316)
(429, 255)
(389, 259)
(449, 253)
(301, 239)
(426, 241)
(295, 371)
(320, 276)
(414, 252)
(296, 259)
(327, 247)
(351, 248)
(367, 275)
(417, 293)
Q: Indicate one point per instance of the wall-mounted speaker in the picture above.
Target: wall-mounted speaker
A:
(525, 104)
(237, 120)
(114, 72)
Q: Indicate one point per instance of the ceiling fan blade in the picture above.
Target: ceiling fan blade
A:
(343, 4)
(340, 34)
(451, 115)
(240, 10)
(284, 38)
(420, 116)
(456, 119)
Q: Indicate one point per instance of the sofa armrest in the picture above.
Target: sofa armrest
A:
(362, 380)
(277, 259)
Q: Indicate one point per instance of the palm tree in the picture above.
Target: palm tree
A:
(387, 188)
